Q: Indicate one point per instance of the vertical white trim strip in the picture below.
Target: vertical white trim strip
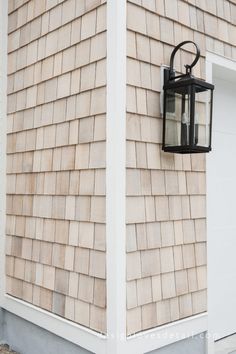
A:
(115, 174)
(3, 132)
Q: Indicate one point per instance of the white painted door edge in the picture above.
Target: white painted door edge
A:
(211, 59)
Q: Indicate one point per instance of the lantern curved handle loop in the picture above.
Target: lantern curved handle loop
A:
(187, 66)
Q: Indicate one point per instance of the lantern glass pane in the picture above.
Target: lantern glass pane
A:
(202, 119)
(177, 116)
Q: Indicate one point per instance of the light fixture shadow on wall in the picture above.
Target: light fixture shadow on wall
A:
(187, 109)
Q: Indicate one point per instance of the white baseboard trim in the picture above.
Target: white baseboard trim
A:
(79, 335)
(140, 343)
(168, 334)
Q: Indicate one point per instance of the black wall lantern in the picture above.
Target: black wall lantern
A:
(187, 119)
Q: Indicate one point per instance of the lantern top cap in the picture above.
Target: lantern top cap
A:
(187, 80)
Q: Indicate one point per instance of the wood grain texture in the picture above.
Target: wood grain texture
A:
(55, 256)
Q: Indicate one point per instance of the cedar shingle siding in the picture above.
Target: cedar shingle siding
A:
(56, 157)
(166, 204)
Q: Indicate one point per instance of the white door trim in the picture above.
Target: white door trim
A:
(214, 59)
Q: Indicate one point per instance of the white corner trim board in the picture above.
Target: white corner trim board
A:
(3, 130)
(116, 174)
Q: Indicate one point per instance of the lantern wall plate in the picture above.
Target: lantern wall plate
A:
(187, 109)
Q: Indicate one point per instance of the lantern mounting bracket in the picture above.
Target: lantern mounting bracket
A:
(188, 67)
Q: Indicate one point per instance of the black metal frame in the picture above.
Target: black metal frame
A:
(174, 82)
